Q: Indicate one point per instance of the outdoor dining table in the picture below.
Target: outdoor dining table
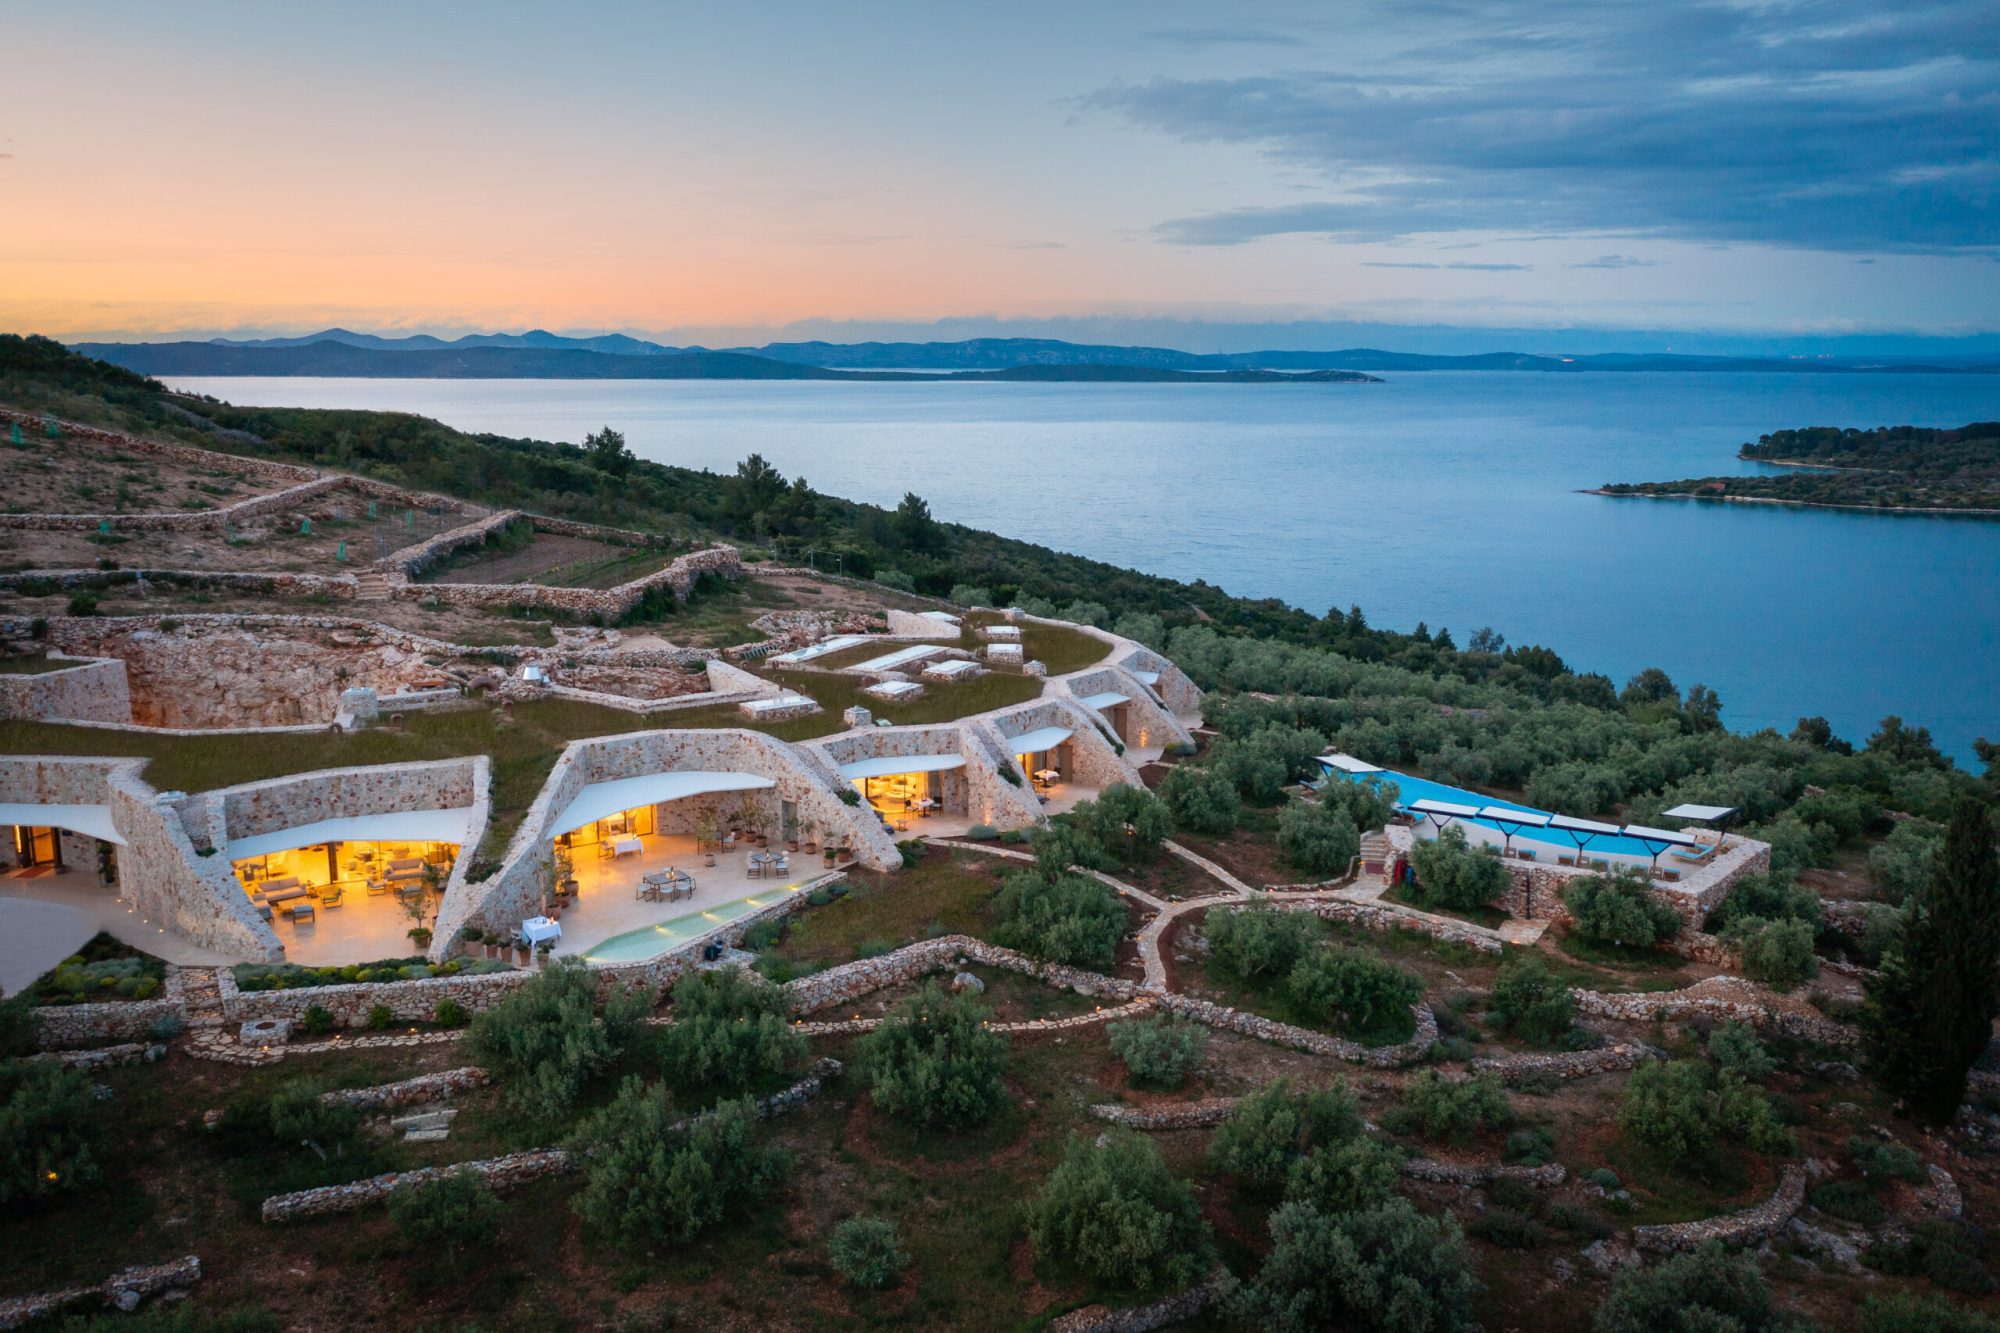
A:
(538, 928)
(1048, 775)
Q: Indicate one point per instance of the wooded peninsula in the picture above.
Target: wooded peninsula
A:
(1904, 469)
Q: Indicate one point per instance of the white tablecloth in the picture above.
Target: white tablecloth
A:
(1048, 775)
(627, 846)
(538, 928)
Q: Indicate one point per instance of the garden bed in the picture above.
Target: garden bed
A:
(103, 971)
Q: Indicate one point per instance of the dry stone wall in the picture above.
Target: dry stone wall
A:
(850, 981)
(1304, 1039)
(123, 1290)
(93, 690)
(337, 587)
(607, 603)
(1724, 999)
(1167, 1312)
(265, 468)
(1565, 1065)
(419, 1091)
(1744, 1228)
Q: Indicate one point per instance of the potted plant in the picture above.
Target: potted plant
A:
(810, 827)
(521, 950)
(542, 952)
(470, 937)
(707, 832)
(844, 853)
(420, 936)
(829, 858)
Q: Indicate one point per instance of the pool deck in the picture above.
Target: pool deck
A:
(607, 903)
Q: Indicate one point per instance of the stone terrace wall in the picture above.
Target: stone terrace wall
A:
(610, 603)
(1304, 1039)
(130, 1284)
(160, 874)
(1534, 890)
(199, 520)
(1746, 1227)
(419, 1091)
(413, 560)
(1730, 999)
(93, 690)
(407, 1001)
(337, 587)
(266, 468)
(67, 1025)
(850, 981)
(1565, 1065)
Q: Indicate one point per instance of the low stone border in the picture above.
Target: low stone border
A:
(1188, 1115)
(1753, 1008)
(851, 981)
(1568, 1064)
(499, 1172)
(1375, 916)
(1752, 1224)
(104, 1057)
(1304, 1039)
(422, 1089)
(1175, 1309)
(854, 1025)
(124, 1290)
(1548, 1175)
(214, 1046)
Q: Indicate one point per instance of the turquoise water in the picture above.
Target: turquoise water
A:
(1410, 789)
(635, 946)
(1451, 498)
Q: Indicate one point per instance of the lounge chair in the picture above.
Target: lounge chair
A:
(302, 912)
(1700, 853)
(1565, 860)
(782, 865)
(332, 896)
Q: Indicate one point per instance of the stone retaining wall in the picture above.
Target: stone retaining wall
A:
(1746, 1227)
(93, 690)
(267, 468)
(65, 1025)
(1568, 1064)
(122, 1290)
(1547, 1176)
(850, 981)
(350, 1003)
(1752, 1008)
(418, 1091)
(340, 587)
(1185, 1115)
(106, 1057)
(608, 603)
(1304, 1039)
(1372, 916)
(1168, 1310)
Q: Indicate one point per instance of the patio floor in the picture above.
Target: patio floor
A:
(607, 903)
(45, 917)
(363, 929)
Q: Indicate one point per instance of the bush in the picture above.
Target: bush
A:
(1316, 840)
(1902, 862)
(298, 1114)
(1736, 1050)
(1259, 941)
(544, 1041)
(767, 933)
(52, 1135)
(1699, 1292)
(1126, 823)
(1438, 1108)
(1118, 1214)
(1200, 800)
(1777, 953)
(1848, 1200)
(1535, 1146)
(935, 1062)
(1271, 1127)
(911, 850)
(1454, 876)
(650, 1178)
(1158, 1051)
(1906, 1312)
(1344, 1177)
(1368, 802)
(380, 1016)
(866, 1251)
(1368, 997)
(1506, 1229)
(1063, 918)
(1945, 1252)
(315, 1021)
(982, 833)
(1531, 1002)
(1771, 897)
(450, 1014)
(1682, 1109)
(1619, 910)
(1886, 1161)
(730, 1031)
(1387, 1267)
(457, 1213)
(20, 1030)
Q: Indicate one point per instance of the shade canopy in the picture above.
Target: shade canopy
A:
(945, 616)
(1571, 824)
(1146, 677)
(951, 666)
(601, 800)
(1659, 835)
(1704, 814)
(1347, 763)
(451, 826)
(902, 656)
(890, 765)
(1035, 742)
(1501, 814)
(92, 821)
(1446, 809)
(1109, 699)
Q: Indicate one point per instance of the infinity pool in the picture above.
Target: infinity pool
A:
(636, 946)
(1411, 789)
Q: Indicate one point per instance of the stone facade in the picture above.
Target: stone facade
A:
(167, 882)
(93, 690)
(977, 790)
(1092, 762)
(1147, 723)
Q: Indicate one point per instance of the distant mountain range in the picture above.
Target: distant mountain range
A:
(539, 354)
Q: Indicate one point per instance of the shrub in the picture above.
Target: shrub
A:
(1126, 823)
(1681, 1108)
(1452, 875)
(729, 1031)
(1907, 1312)
(1064, 918)
(1945, 1252)
(1707, 1289)
(545, 1041)
(1885, 1161)
(982, 833)
(1259, 941)
(1848, 1200)
(1902, 862)
(1531, 1002)
(1506, 1229)
(911, 850)
(1387, 1267)
(457, 1213)
(1273, 1126)
(1881, 931)
(867, 1252)
(315, 1020)
(1438, 1108)
(1118, 1214)
(52, 1134)
(1736, 1050)
(379, 1017)
(650, 1178)
(298, 1114)
(765, 934)
(1344, 1177)
(1531, 1147)
(935, 1062)
(1619, 910)
(20, 1030)
(1777, 953)
(1368, 997)
(1772, 897)
(1200, 800)
(450, 1014)
(1158, 1051)
(1316, 840)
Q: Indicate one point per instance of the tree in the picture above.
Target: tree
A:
(1772, 897)
(1369, 998)
(545, 1041)
(1345, 1177)
(52, 1135)
(1158, 1051)
(1127, 823)
(650, 1176)
(1905, 745)
(1619, 909)
(913, 526)
(935, 1061)
(1258, 941)
(1066, 918)
(1200, 800)
(1683, 1108)
(753, 490)
(1818, 733)
(456, 1213)
(1113, 1210)
(1736, 1050)
(1902, 862)
(1531, 1002)
(1387, 1267)
(1706, 1291)
(1930, 1008)
(730, 1030)
(1703, 709)
(1438, 1108)
(1315, 840)
(1777, 953)
(299, 1114)
(1269, 1129)
(867, 1252)
(1650, 687)
(1907, 1312)
(607, 452)
(1369, 802)
(1450, 874)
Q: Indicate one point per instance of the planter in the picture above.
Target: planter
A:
(791, 844)
(844, 856)
(812, 847)
(709, 859)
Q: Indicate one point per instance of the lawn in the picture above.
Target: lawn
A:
(32, 665)
(946, 893)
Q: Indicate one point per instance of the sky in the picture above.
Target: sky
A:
(1190, 174)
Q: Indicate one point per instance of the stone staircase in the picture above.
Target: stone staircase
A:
(371, 585)
(1375, 855)
(201, 997)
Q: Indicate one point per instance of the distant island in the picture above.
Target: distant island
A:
(1894, 469)
(331, 358)
(538, 354)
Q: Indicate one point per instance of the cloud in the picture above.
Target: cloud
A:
(1222, 37)
(1462, 265)
(1030, 245)
(1617, 261)
(1820, 124)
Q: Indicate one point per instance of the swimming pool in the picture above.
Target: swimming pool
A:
(636, 946)
(1411, 789)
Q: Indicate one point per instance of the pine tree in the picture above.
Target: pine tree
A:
(1931, 1008)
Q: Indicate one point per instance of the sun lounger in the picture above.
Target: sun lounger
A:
(1700, 853)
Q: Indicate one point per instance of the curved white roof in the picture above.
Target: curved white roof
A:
(451, 826)
(90, 820)
(1109, 699)
(1047, 738)
(600, 800)
(890, 765)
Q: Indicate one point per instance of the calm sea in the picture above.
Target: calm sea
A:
(1449, 498)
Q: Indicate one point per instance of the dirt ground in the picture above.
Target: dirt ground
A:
(79, 476)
